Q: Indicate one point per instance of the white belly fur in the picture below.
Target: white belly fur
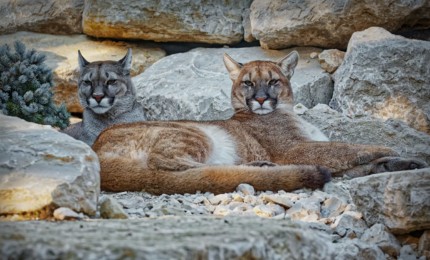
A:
(224, 149)
(312, 131)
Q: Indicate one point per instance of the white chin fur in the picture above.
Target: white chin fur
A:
(261, 109)
(99, 108)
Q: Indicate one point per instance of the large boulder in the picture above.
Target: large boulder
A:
(47, 16)
(398, 200)
(386, 76)
(195, 85)
(176, 238)
(166, 21)
(42, 169)
(396, 134)
(62, 57)
(329, 24)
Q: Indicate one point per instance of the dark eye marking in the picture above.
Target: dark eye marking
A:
(273, 82)
(88, 82)
(248, 83)
(111, 82)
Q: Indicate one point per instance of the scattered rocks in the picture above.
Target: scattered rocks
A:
(41, 167)
(191, 21)
(396, 89)
(62, 57)
(398, 200)
(378, 234)
(329, 24)
(111, 209)
(64, 213)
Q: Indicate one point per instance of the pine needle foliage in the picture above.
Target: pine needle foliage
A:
(26, 87)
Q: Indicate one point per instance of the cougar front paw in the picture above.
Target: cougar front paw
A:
(391, 164)
(261, 164)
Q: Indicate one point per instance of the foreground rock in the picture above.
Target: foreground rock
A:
(398, 200)
(280, 24)
(176, 21)
(196, 86)
(48, 16)
(176, 238)
(62, 57)
(397, 89)
(407, 141)
(42, 169)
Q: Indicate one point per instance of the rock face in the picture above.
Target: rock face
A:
(398, 200)
(40, 168)
(279, 24)
(196, 86)
(407, 141)
(176, 238)
(47, 16)
(385, 76)
(62, 57)
(180, 21)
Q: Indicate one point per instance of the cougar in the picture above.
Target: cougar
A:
(107, 95)
(265, 144)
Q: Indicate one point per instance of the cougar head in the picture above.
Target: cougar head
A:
(261, 87)
(102, 83)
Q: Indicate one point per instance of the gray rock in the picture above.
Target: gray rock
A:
(47, 16)
(356, 249)
(330, 60)
(407, 141)
(110, 208)
(269, 210)
(332, 207)
(246, 189)
(374, 78)
(280, 199)
(329, 24)
(62, 57)
(175, 21)
(398, 200)
(196, 86)
(40, 167)
(166, 238)
(307, 209)
(424, 244)
(350, 225)
(407, 253)
(378, 234)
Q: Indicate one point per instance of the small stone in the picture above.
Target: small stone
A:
(349, 225)
(300, 109)
(264, 211)
(407, 253)
(330, 60)
(313, 55)
(246, 189)
(111, 209)
(332, 207)
(224, 199)
(279, 199)
(64, 213)
(424, 244)
(237, 197)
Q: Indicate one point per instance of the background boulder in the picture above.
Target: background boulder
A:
(385, 76)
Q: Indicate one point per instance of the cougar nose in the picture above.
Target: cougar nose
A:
(260, 100)
(98, 97)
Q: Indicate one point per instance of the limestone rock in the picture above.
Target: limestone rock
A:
(332, 207)
(356, 249)
(176, 21)
(64, 213)
(47, 16)
(398, 200)
(396, 89)
(166, 238)
(349, 225)
(424, 244)
(330, 60)
(62, 57)
(111, 209)
(279, 24)
(407, 141)
(246, 189)
(40, 167)
(379, 235)
(196, 86)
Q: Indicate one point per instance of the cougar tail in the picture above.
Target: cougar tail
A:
(215, 179)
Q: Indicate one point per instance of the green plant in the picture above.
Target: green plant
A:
(26, 87)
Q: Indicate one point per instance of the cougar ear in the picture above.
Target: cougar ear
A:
(289, 63)
(82, 61)
(232, 66)
(126, 62)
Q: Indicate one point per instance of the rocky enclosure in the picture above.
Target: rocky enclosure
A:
(357, 79)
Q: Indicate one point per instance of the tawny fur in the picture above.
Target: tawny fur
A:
(178, 157)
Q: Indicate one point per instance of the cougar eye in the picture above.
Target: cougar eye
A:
(273, 82)
(248, 83)
(111, 82)
(88, 82)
